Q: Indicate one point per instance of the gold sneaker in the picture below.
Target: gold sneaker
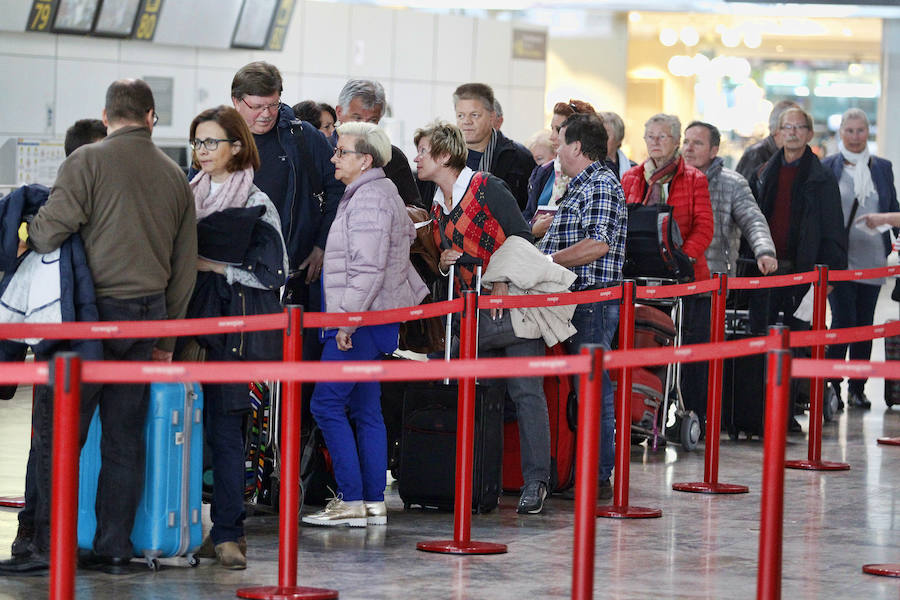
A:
(376, 513)
(208, 550)
(338, 512)
(230, 556)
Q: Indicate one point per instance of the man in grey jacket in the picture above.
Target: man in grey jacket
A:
(735, 210)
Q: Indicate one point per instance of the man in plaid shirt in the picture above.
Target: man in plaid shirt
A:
(588, 236)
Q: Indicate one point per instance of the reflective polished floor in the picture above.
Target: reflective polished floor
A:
(702, 547)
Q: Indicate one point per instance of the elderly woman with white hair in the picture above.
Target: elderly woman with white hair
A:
(664, 178)
(366, 267)
(867, 186)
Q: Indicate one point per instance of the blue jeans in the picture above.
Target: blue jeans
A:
(359, 464)
(596, 324)
(852, 305)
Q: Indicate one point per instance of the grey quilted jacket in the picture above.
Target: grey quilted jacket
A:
(735, 211)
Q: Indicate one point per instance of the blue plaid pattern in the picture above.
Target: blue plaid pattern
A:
(593, 207)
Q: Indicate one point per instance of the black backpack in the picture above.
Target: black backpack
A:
(653, 245)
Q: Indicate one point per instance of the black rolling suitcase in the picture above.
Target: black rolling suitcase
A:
(743, 386)
(428, 443)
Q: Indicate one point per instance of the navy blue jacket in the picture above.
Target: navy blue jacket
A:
(303, 223)
(77, 300)
(882, 177)
(536, 184)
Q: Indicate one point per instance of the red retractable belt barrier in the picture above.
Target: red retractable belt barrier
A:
(539, 300)
(289, 502)
(653, 292)
(382, 317)
(620, 508)
(771, 281)
(814, 460)
(710, 483)
(771, 519)
(64, 474)
(590, 392)
(858, 274)
(465, 450)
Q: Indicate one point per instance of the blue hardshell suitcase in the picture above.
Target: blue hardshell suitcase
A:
(168, 519)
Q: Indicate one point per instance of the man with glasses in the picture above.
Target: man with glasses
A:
(802, 204)
(135, 212)
(288, 151)
(364, 100)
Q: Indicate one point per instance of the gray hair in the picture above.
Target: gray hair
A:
(498, 110)
(670, 120)
(369, 92)
(775, 115)
(854, 113)
(370, 139)
(615, 123)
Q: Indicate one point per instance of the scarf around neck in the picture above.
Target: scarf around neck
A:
(233, 192)
(488, 155)
(657, 176)
(858, 166)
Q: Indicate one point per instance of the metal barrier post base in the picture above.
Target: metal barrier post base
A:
(628, 512)
(454, 547)
(886, 441)
(703, 487)
(884, 570)
(12, 501)
(274, 592)
(816, 465)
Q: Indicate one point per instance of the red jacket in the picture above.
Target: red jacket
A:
(689, 199)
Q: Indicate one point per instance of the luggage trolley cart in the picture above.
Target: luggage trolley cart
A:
(685, 425)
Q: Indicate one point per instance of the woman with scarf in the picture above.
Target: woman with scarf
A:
(665, 178)
(867, 186)
(366, 268)
(241, 265)
(547, 183)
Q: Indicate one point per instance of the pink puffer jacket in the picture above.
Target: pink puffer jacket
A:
(367, 264)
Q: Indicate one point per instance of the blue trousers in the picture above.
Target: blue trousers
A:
(596, 324)
(225, 436)
(359, 464)
(852, 305)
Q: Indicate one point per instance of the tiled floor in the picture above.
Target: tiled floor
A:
(702, 547)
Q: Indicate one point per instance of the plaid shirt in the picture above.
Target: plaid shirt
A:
(593, 208)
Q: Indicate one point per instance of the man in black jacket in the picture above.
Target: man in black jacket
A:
(802, 204)
(489, 150)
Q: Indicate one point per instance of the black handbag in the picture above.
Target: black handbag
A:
(653, 245)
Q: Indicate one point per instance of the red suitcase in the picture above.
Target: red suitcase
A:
(561, 404)
(646, 396)
(653, 328)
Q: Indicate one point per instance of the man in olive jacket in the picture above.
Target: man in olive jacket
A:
(135, 212)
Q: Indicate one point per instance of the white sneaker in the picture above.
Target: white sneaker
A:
(376, 513)
(338, 512)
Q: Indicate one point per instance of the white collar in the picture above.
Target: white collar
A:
(459, 190)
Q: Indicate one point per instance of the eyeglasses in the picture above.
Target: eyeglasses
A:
(263, 107)
(155, 116)
(340, 152)
(791, 127)
(423, 151)
(663, 137)
(210, 143)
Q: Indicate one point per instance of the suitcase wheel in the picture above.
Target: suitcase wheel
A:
(689, 433)
(193, 561)
(153, 564)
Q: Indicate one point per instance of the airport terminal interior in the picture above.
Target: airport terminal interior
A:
(720, 61)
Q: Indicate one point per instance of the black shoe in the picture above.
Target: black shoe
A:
(531, 502)
(605, 490)
(858, 400)
(794, 426)
(29, 564)
(23, 539)
(114, 565)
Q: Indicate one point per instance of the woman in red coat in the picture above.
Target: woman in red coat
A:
(665, 177)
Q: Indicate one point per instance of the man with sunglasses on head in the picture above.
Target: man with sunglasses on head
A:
(288, 151)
